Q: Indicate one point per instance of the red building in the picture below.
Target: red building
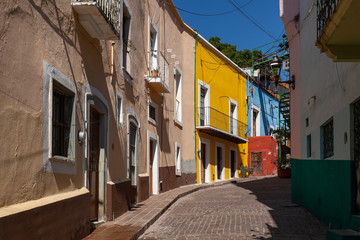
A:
(263, 155)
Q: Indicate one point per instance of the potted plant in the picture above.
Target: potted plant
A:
(284, 167)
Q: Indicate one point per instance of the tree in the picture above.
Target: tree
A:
(242, 58)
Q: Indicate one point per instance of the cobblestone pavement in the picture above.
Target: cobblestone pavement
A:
(259, 209)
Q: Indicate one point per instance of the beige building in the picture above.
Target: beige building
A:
(97, 111)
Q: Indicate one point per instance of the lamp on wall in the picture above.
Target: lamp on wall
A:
(276, 65)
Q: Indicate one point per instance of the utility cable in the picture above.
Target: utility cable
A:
(200, 14)
(250, 19)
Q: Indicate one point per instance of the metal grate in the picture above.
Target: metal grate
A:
(328, 139)
(357, 131)
(325, 8)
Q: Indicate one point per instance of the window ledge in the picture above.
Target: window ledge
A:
(178, 174)
(178, 123)
(62, 159)
(127, 76)
(152, 121)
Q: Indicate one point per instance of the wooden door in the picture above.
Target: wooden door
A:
(151, 146)
(94, 163)
(256, 162)
(203, 159)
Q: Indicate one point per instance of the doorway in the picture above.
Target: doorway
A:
(233, 163)
(256, 162)
(94, 138)
(153, 163)
(356, 147)
(96, 148)
(203, 161)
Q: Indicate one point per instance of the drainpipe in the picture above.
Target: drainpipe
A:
(112, 60)
(195, 101)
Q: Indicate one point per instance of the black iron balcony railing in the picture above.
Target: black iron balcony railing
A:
(325, 8)
(109, 9)
(221, 123)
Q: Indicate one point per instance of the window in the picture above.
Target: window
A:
(119, 107)
(308, 145)
(255, 121)
(204, 104)
(153, 112)
(132, 150)
(307, 122)
(233, 117)
(126, 38)
(178, 96)
(59, 128)
(62, 116)
(328, 139)
(178, 158)
(153, 50)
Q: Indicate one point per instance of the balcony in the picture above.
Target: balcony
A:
(157, 82)
(100, 18)
(218, 124)
(337, 29)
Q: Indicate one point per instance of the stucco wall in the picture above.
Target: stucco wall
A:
(328, 90)
(289, 14)
(268, 106)
(225, 83)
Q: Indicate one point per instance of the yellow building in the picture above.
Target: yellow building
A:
(220, 106)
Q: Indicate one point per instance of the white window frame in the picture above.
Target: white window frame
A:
(120, 109)
(154, 105)
(235, 117)
(126, 71)
(222, 146)
(201, 84)
(177, 159)
(178, 95)
(258, 127)
(153, 56)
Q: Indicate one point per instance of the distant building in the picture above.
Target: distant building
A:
(220, 106)
(262, 120)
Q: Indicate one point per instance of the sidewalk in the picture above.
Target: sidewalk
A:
(133, 223)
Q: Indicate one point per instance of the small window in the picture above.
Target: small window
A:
(120, 112)
(153, 51)
(153, 112)
(178, 158)
(126, 39)
(178, 96)
(328, 139)
(307, 122)
(308, 145)
(62, 121)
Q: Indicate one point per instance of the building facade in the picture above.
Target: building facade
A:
(220, 106)
(94, 118)
(325, 103)
(262, 120)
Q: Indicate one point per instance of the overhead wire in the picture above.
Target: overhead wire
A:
(243, 12)
(200, 14)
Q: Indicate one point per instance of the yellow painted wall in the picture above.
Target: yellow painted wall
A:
(225, 82)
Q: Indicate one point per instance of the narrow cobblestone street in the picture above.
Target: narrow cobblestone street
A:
(259, 209)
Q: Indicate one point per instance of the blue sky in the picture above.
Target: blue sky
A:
(234, 28)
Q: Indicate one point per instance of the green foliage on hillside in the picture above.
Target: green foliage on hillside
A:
(242, 58)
